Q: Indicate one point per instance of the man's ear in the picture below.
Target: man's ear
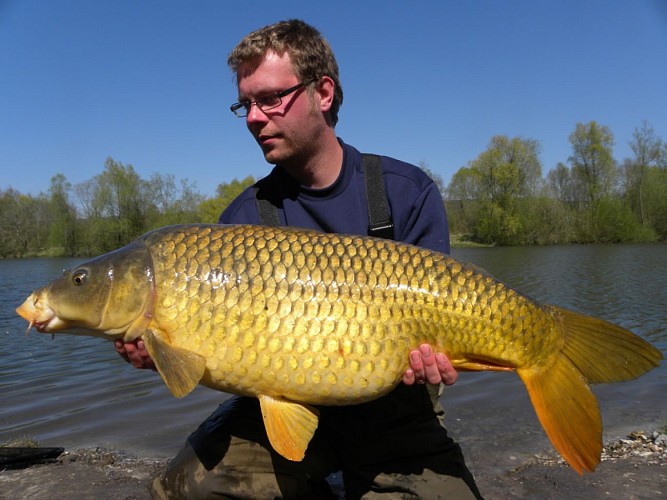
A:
(324, 91)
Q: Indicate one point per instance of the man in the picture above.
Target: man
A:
(289, 95)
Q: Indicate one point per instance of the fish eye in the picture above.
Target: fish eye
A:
(80, 276)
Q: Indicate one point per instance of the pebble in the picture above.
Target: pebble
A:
(638, 444)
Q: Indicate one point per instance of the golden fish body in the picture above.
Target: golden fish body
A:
(328, 319)
(299, 318)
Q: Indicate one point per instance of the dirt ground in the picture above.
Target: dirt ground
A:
(634, 468)
(628, 478)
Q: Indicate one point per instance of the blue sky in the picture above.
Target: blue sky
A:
(146, 82)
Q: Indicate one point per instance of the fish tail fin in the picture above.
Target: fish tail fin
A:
(593, 351)
(605, 352)
(567, 410)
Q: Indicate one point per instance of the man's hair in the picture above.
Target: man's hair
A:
(309, 52)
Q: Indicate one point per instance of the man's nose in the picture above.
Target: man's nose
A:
(255, 114)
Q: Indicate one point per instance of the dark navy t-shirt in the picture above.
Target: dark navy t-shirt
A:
(419, 218)
(416, 206)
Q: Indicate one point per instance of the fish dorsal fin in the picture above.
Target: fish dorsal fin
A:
(290, 426)
(180, 369)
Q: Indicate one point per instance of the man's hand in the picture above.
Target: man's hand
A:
(428, 367)
(135, 353)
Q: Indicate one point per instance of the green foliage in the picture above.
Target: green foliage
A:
(544, 221)
(210, 210)
(63, 227)
(104, 213)
(508, 171)
(499, 198)
(645, 179)
(593, 166)
(226, 192)
(615, 222)
(462, 202)
(656, 201)
(169, 204)
(497, 225)
(24, 224)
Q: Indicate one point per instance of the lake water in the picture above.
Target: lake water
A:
(77, 392)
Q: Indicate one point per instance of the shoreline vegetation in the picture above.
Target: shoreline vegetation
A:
(457, 241)
(632, 467)
(501, 198)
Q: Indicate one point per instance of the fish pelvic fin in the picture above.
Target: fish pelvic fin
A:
(593, 351)
(290, 426)
(180, 369)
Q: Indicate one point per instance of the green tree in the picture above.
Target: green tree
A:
(655, 204)
(560, 184)
(125, 194)
(170, 203)
(210, 210)
(24, 223)
(594, 174)
(114, 206)
(592, 161)
(464, 185)
(463, 201)
(509, 170)
(188, 203)
(649, 154)
(12, 228)
(62, 227)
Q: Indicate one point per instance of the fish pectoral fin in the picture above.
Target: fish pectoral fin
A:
(180, 369)
(290, 426)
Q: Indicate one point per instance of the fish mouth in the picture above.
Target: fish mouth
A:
(38, 314)
(40, 326)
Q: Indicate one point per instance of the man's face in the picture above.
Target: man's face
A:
(285, 133)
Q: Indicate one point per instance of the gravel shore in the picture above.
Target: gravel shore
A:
(631, 468)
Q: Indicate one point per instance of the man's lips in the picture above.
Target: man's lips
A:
(266, 139)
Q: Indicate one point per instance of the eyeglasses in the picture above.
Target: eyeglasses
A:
(265, 102)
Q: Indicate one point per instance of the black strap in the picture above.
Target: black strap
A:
(379, 225)
(268, 213)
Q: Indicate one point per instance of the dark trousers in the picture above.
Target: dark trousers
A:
(395, 447)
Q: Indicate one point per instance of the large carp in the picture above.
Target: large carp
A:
(299, 318)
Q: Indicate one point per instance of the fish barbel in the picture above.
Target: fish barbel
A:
(299, 318)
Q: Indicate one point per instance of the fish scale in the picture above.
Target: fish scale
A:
(299, 318)
(316, 323)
